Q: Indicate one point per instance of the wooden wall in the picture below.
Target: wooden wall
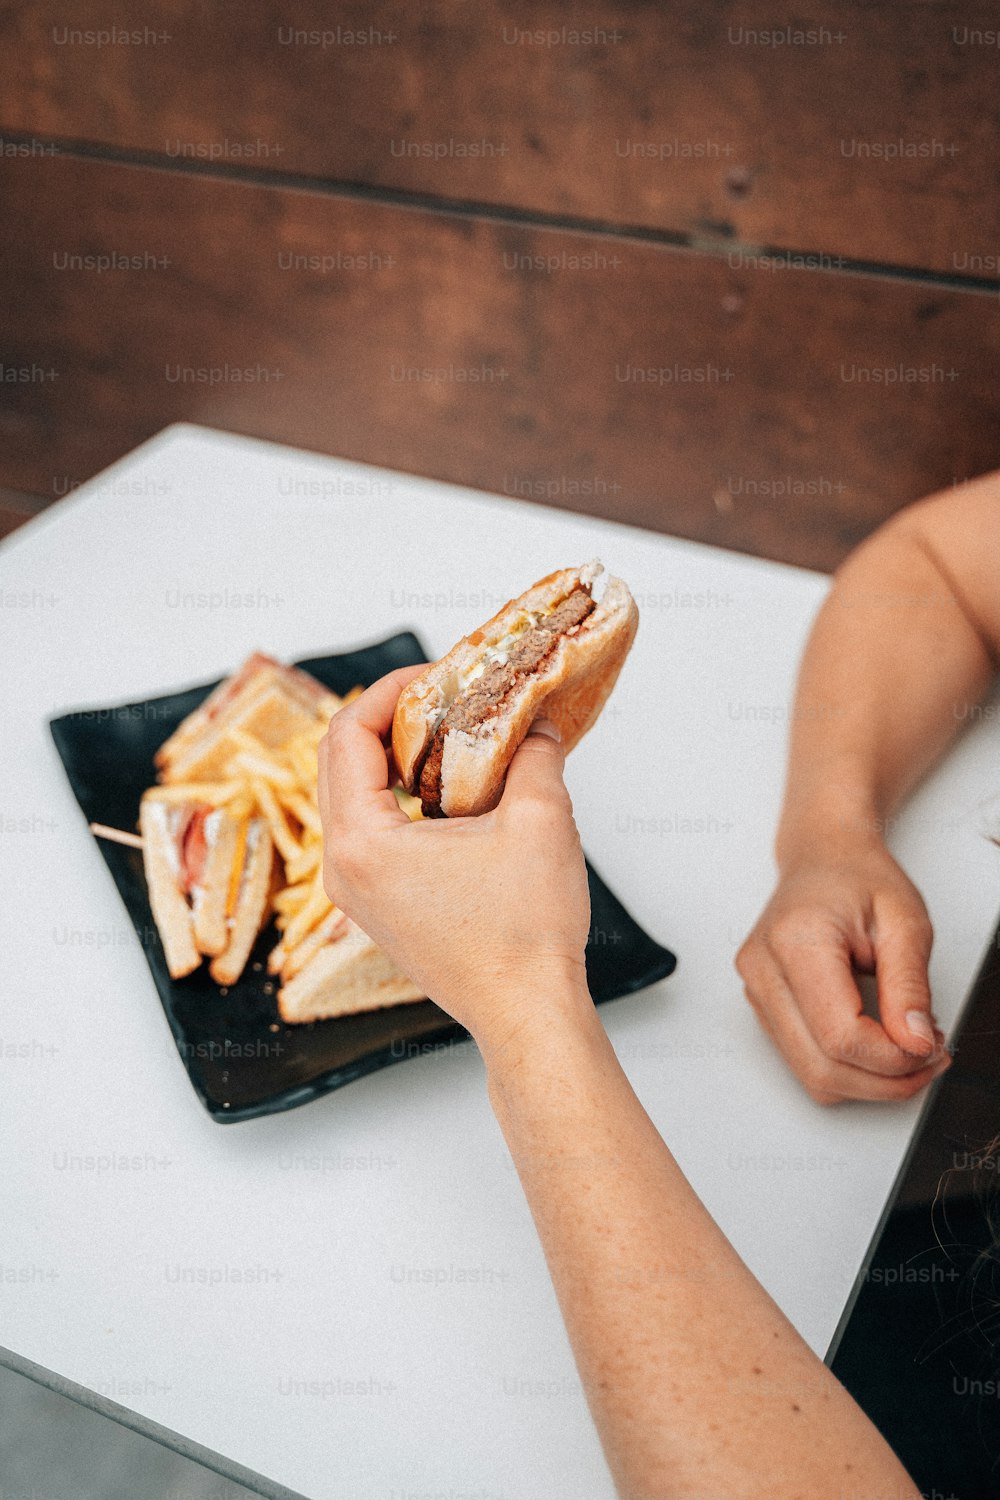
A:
(722, 271)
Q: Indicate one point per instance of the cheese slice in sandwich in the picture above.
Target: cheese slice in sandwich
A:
(250, 907)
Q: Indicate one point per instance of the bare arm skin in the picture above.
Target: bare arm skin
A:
(906, 643)
(699, 1386)
(697, 1382)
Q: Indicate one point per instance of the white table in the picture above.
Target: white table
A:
(328, 1369)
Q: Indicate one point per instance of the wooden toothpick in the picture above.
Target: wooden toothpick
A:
(116, 835)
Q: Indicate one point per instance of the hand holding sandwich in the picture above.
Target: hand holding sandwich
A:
(488, 915)
(503, 868)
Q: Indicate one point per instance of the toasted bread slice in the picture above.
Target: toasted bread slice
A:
(251, 904)
(171, 912)
(349, 975)
(270, 701)
(210, 896)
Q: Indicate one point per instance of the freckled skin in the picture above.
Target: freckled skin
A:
(666, 1322)
(649, 1307)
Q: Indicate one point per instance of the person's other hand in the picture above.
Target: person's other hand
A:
(489, 915)
(847, 910)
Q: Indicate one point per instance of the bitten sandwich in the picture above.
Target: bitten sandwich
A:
(553, 652)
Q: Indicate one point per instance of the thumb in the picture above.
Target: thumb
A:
(537, 767)
(902, 938)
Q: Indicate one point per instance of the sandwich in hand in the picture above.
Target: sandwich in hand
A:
(554, 652)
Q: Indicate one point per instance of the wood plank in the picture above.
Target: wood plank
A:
(878, 139)
(24, 503)
(779, 413)
(10, 520)
(16, 507)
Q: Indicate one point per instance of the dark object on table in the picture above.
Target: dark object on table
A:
(918, 1345)
(241, 1059)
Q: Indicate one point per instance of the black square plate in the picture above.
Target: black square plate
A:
(242, 1060)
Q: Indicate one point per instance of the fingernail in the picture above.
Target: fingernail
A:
(919, 1024)
(546, 726)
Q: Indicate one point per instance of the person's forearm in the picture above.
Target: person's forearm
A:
(891, 670)
(697, 1382)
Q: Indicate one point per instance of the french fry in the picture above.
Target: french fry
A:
(307, 916)
(325, 930)
(303, 864)
(286, 845)
(212, 793)
(292, 897)
(264, 767)
(303, 758)
(303, 810)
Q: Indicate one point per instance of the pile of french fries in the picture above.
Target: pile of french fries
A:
(280, 786)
